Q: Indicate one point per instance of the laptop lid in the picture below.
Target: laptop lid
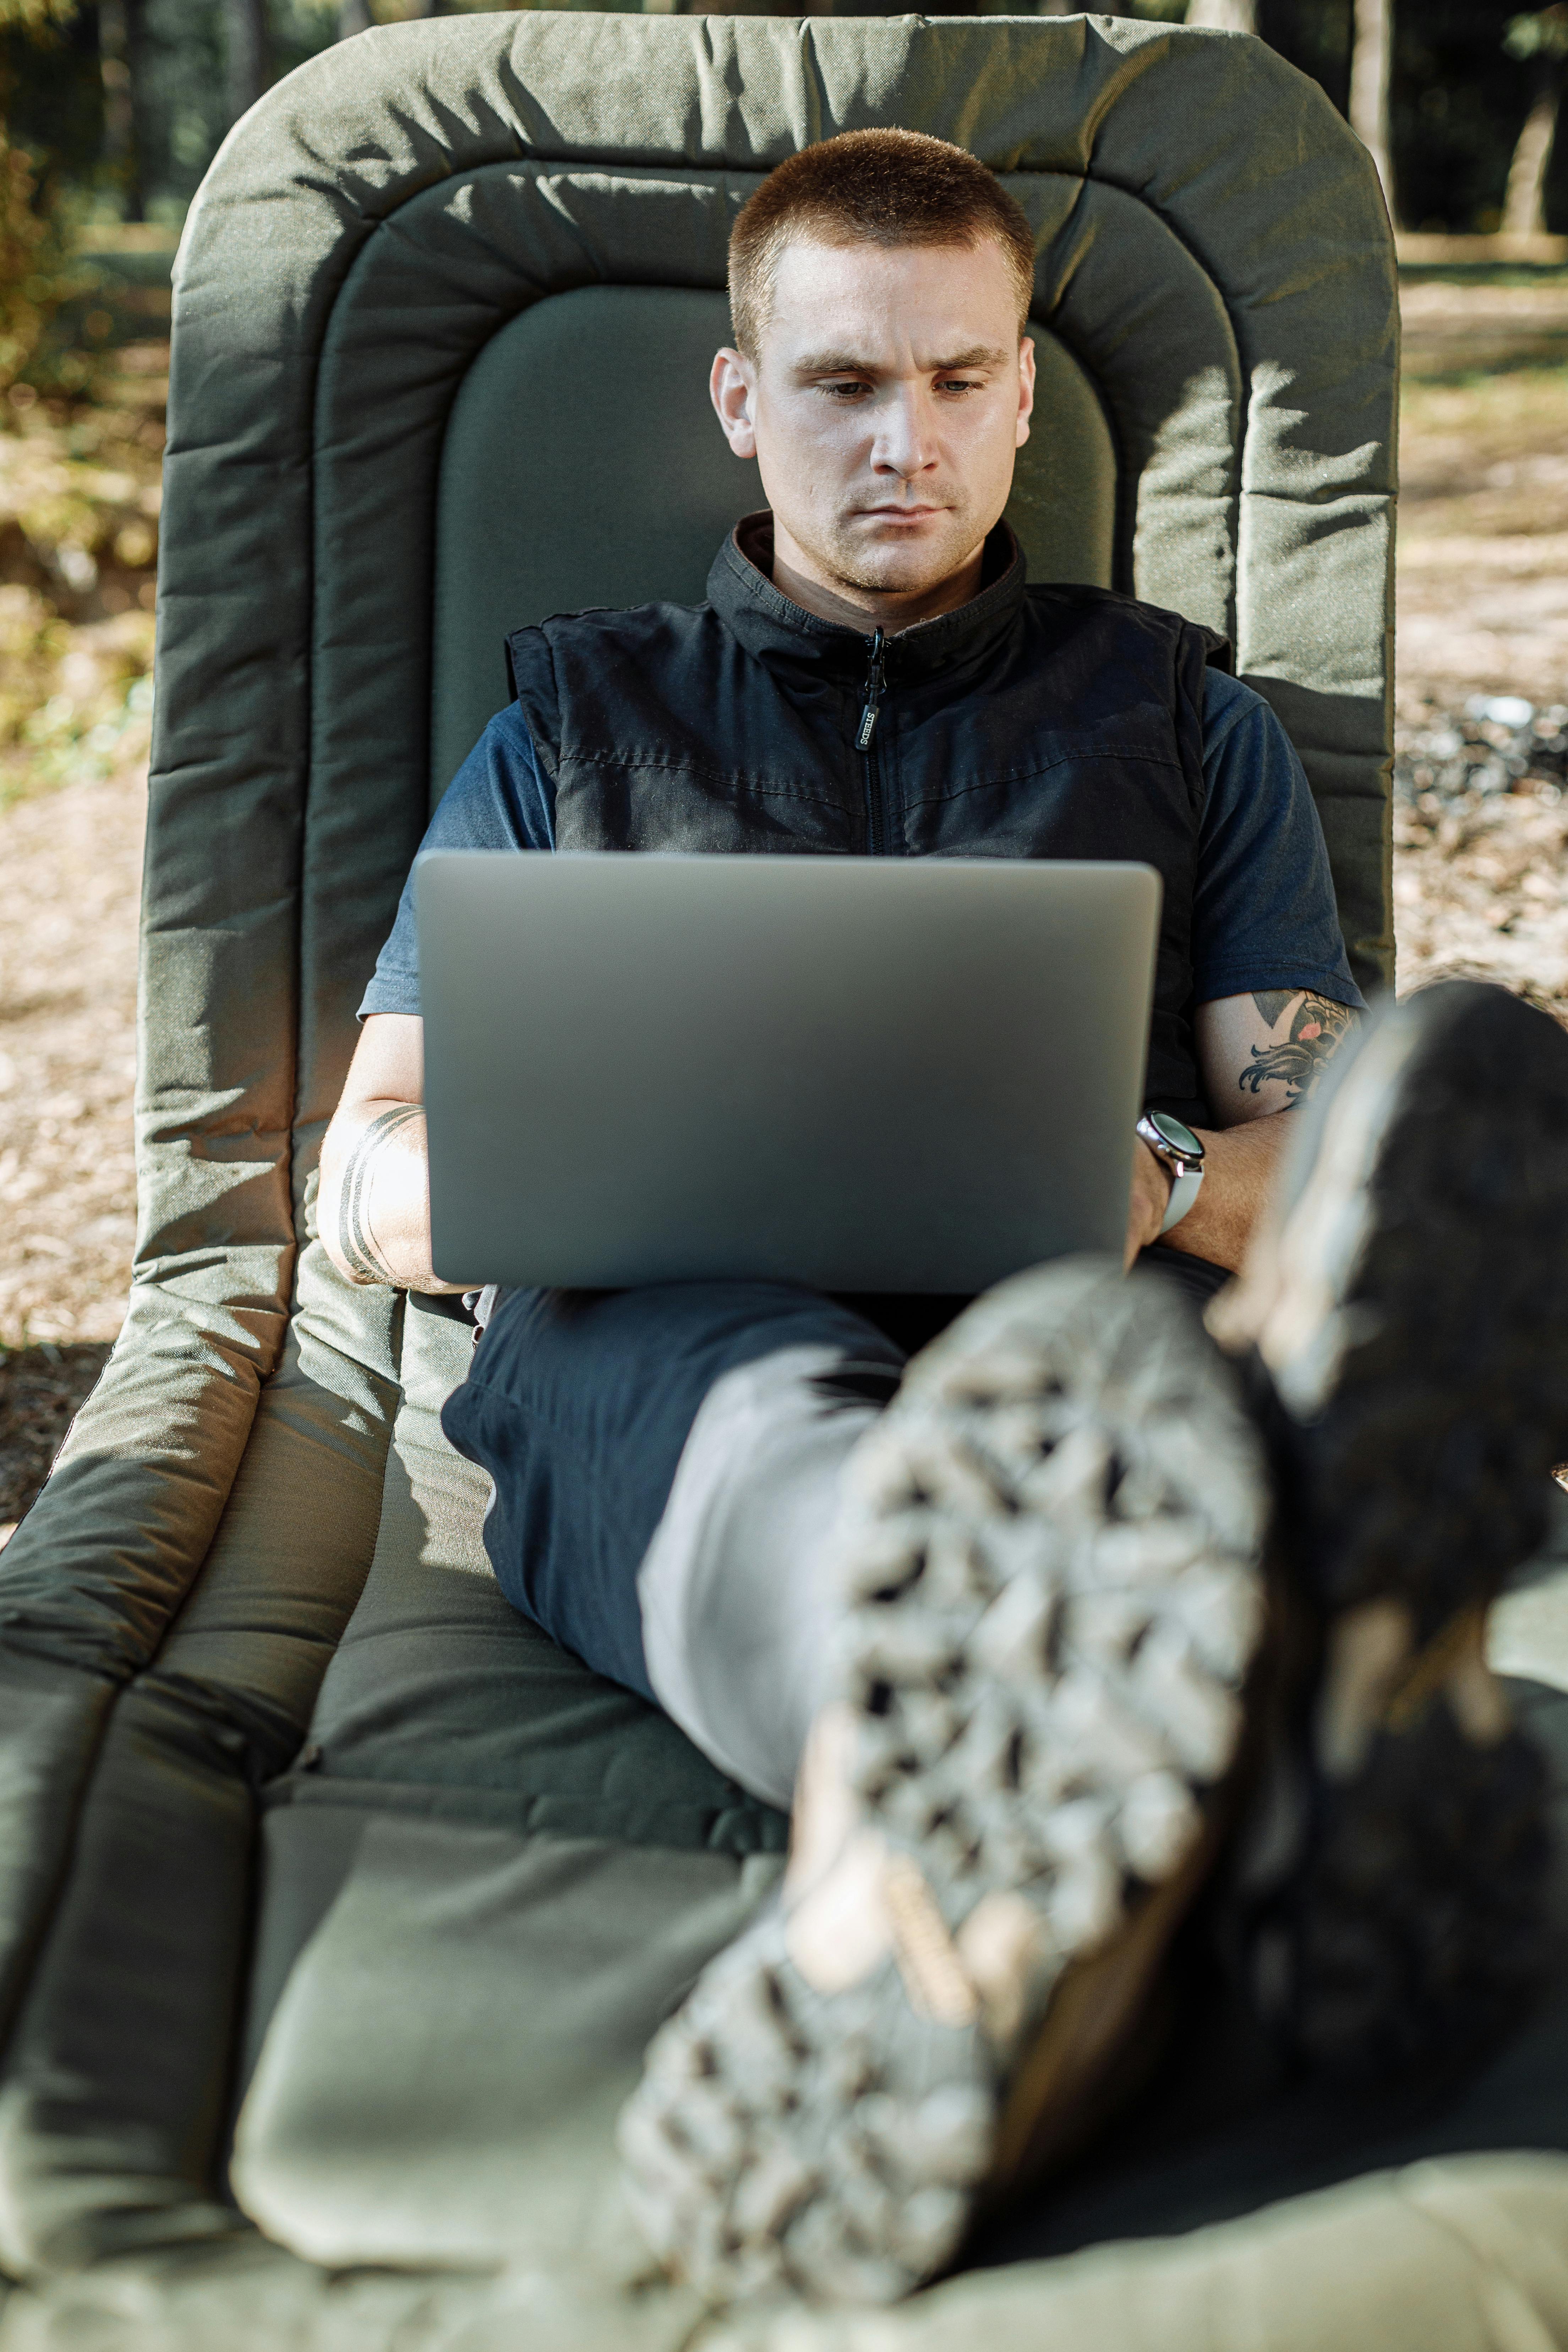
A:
(856, 1074)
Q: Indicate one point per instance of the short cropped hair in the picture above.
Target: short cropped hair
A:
(872, 187)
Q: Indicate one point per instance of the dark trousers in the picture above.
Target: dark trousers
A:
(578, 1404)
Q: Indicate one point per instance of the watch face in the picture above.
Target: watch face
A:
(1180, 1139)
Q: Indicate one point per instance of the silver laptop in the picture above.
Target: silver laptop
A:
(859, 1073)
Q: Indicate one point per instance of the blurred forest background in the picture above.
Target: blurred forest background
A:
(118, 106)
(110, 112)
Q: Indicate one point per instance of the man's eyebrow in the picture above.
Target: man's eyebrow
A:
(982, 355)
(832, 363)
(842, 363)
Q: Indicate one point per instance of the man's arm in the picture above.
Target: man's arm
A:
(373, 1210)
(1259, 1055)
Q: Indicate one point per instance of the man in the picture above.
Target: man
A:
(997, 1628)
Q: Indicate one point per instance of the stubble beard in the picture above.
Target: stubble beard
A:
(892, 567)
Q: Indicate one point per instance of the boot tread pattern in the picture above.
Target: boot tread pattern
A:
(1051, 1558)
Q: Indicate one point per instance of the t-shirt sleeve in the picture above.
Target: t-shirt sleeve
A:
(1264, 915)
(498, 800)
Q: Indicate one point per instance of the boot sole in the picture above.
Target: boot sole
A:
(1050, 1559)
(1424, 1403)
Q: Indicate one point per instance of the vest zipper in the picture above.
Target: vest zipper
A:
(876, 681)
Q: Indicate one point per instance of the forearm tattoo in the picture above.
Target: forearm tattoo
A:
(355, 1242)
(1298, 1060)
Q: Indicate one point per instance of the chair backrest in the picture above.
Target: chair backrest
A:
(443, 315)
(583, 465)
(377, 461)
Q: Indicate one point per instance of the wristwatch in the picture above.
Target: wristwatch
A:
(1183, 1154)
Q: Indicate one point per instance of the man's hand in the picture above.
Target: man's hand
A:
(1239, 1164)
(1260, 1055)
(374, 1209)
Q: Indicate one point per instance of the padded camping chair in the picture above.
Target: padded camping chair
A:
(336, 1906)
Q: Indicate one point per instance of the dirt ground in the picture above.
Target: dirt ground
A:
(1480, 876)
(68, 1057)
(1483, 530)
(1481, 873)
(71, 860)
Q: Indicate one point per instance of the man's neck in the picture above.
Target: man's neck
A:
(796, 576)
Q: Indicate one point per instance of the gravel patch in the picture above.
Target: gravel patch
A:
(1480, 845)
(72, 862)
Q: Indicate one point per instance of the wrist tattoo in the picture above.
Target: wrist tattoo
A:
(1298, 1060)
(355, 1241)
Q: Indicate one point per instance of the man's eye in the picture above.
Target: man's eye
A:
(957, 383)
(848, 390)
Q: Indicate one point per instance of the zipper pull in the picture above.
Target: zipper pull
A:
(874, 684)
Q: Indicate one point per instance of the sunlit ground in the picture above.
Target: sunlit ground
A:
(1481, 877)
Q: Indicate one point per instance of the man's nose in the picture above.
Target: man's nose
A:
(906, 440)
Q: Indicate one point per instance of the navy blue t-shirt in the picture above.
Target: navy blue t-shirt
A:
(1263, 912)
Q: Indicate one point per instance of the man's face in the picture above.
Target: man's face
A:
(885, 409)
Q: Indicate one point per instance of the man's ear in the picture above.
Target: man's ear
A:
(1026, 387)
(731, 387)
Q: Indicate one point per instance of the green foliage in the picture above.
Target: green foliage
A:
(40, 20)
(78, 541)
(36, 276)
(51, 96)
(1542, 35)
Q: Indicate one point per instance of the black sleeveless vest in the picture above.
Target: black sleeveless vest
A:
(1031, 722)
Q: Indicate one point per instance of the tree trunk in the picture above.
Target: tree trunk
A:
(117, 42)
(1524, 207)
(249, 64)
(1223, 15)
(1371, 59)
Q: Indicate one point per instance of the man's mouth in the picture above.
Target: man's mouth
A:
(901, 513)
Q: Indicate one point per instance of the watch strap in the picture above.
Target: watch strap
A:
(1186, 1168)
(1184, 1193)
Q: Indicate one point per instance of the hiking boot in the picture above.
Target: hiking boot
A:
(1408, 1301)
(1050, 1557)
